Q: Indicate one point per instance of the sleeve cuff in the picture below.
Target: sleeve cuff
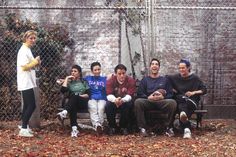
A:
(111, 98)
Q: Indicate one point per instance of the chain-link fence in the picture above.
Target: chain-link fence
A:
(111, 32)
(203, 32)
(66, 36)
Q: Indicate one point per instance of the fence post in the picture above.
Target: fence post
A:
(35, 118)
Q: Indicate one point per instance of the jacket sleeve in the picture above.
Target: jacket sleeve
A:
(64, 89)
(202, 87)
(109, 86)
(131, 87)
(169, 89)
(30, 65)
(141, 92)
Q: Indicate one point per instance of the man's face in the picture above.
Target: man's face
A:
(154, 67)
(31, 40)
(183, 70)
(75, 73)
(96, 70)
(121, 74)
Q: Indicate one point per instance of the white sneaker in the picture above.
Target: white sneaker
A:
(74, 132)
(25, 133)
(170, 132)
(62, 115)
(187, 133)
(30, 130)
(183, 116)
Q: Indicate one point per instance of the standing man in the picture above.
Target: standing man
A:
(154, 93)
(120, 90)
(26, 79)
(188, 88)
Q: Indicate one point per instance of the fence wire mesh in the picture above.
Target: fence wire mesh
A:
(112, 33)
(64, 38)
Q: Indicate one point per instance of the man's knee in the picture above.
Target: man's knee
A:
(138, 103)
(171, 104)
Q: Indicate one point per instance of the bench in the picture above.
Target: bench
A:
(155, 116)
(152, 116)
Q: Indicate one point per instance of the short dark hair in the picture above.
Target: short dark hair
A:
(78, 68)
(186, 62)
(94, 64)
(121, 67)
(155, 59)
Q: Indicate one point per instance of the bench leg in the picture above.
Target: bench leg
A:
(199, 120)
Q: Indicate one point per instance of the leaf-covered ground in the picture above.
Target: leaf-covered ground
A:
(217, 138)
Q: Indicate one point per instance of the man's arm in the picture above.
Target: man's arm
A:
(131, 90)
(142, 89)
(110, 89)
(169, 89)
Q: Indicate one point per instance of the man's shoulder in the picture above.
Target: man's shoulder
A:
(194, 76)
(130, 78)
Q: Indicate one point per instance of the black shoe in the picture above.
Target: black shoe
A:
(99, 130)
(124, 131)
(111, 131)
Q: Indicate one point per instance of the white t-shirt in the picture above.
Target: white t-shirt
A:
(25, 79)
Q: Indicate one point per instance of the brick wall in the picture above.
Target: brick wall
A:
(206, 37)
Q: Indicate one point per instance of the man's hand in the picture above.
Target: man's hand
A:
(84, 95)
(188, 94)
(38, 59)
(70, 77)
(156, 96)
(118, 102)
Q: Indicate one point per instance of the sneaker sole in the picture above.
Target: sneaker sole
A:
(26, 135)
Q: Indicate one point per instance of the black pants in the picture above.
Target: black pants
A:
(75, 104)
(124, 109)
(28, 106)
(188, 108)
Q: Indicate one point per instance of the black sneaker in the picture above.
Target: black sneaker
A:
(111, 131)
(99, 130)
(124, 131)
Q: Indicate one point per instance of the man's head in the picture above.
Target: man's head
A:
(76, 71)
(96, 68)
(184, 67)
(120, 71)
(29, 38)
(154, 66)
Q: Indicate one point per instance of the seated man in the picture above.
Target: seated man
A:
(154, 93)
(78, 97)
(120, 89)
(186, 86)
(97, 101)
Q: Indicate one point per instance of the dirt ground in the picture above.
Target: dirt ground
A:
(216, 138)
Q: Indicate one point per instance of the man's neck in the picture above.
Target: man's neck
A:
(120, 82)
(156, 75)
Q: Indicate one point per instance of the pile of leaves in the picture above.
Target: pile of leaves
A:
(215, 138)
